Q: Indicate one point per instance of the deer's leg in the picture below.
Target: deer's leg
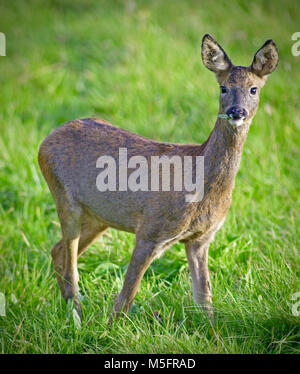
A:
(144, 253)
(58, 259)
(70, 224)
(89, 232)
(197, 255)
(65, 252)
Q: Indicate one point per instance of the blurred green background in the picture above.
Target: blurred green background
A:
(138, 65)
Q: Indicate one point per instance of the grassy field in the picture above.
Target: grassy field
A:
(138, 65)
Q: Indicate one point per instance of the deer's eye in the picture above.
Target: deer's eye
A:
(223, 89)
(253, 90)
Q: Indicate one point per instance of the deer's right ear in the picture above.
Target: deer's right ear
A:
(214, 56)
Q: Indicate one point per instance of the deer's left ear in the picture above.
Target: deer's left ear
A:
(266, 59)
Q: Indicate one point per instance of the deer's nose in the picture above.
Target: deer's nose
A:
(237, 113)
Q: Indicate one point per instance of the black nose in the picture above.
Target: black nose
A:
(236, 112)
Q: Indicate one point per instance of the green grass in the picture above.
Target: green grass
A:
(138, 65)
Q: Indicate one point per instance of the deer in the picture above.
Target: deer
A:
(68, 157)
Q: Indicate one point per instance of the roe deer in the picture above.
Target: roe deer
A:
(68, 157)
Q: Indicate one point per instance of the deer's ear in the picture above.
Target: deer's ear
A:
(266, 59)
(214, 57)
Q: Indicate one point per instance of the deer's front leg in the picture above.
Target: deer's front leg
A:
(197, 254)
(144, 253)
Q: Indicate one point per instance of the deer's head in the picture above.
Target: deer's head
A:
(239, 85)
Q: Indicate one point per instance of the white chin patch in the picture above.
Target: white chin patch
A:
(236, 122)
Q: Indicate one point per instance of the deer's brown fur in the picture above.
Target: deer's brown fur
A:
(67, 158)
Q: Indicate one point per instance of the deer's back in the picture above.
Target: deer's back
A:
(68, 160)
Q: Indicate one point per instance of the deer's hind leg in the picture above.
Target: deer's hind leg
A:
(63, 254)
(91, 230)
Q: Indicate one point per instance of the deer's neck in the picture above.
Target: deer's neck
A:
(223, 154)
